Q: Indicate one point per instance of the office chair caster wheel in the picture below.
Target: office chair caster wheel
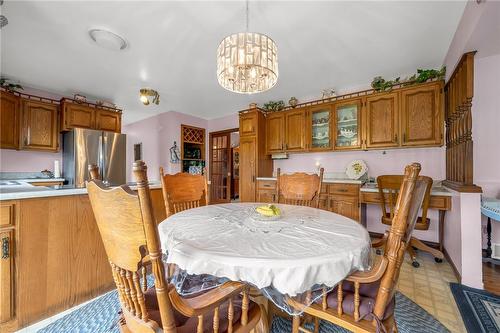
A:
(378, 251)
(415, 264)
(438, 260)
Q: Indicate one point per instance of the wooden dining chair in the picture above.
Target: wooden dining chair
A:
(364, 301)
(183, 191)
(94, 172)
(129, 233)
(388, 187)
(300, 189)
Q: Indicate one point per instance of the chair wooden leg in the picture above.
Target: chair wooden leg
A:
(295, 324)
(423, 247)
(316, 324)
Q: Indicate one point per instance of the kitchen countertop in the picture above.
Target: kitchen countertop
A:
(326, 180)
(372, 187)
(36, 180)
(28, 191)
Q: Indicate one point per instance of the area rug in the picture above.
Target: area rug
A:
(99, 316)
(480, 309)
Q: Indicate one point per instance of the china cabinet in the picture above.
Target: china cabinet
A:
(320, 133)
(347, 124)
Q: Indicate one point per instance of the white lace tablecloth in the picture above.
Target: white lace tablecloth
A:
(304, 248)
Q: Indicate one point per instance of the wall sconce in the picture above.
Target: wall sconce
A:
(149, 96)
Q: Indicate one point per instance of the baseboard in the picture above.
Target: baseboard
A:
(455, 270)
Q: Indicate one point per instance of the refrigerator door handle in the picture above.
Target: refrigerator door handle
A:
(104, 161)
(100, 159)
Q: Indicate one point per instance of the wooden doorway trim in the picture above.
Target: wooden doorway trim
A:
(214, 198)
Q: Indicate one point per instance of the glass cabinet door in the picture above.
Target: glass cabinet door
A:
(320, 134)
(347, 125)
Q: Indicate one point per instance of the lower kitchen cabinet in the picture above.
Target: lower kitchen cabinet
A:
(6, 276)
(345, 206)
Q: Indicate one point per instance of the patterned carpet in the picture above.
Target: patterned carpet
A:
(100, 316)
(480, 309)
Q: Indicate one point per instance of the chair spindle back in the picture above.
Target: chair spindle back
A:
(300, 189)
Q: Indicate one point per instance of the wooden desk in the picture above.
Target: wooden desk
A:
(438, 201)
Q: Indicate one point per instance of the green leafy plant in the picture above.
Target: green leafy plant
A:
(422, 75)
(380, 84)
(274, 105)
(4, 83)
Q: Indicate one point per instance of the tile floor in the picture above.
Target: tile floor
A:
(428, 286)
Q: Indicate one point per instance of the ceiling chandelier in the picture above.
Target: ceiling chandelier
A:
(247, 62)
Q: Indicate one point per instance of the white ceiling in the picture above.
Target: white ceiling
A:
(173, 45)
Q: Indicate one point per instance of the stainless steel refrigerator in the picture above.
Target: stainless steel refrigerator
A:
(82, 147)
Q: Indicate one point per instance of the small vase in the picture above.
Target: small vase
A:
(293, 102)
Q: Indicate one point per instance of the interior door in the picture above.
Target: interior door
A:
(220, 167)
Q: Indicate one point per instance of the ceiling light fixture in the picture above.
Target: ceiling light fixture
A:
(148, 96)
(107, 39)
(247, 62)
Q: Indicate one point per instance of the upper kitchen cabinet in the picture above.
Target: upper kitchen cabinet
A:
(382, 126)
(107, 120)
(39, 129)
(88, 115)
(275, 133)
(248, 124)
(422, 115)
(9, 120)
(319, 124)
(347, 125)
(295, 130)
(76, 115)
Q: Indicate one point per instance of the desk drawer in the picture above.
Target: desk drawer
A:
(344, 189)
(266, 184)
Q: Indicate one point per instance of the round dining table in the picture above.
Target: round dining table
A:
(288, 255)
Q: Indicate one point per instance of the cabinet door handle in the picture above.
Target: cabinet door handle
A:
(396, 137)
(342, 190)
(5, 248)
(404, 137)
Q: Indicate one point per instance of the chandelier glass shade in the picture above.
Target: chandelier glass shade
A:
(247, 63)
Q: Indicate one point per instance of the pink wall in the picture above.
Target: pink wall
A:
(27, 161)
(157, 134)
(486, 123)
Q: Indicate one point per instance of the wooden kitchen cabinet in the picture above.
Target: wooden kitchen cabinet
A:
(345, 206)
(77, 115)
(248, 160)
(9, 120)
(422, 115)
(254, 160)
(295, 130)
(266, 191)
(347, 125)
(275, 133)
(248, 124)
(107, 120)
(39, 126)
(6, 275)
(382, 122)
(319, 134)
